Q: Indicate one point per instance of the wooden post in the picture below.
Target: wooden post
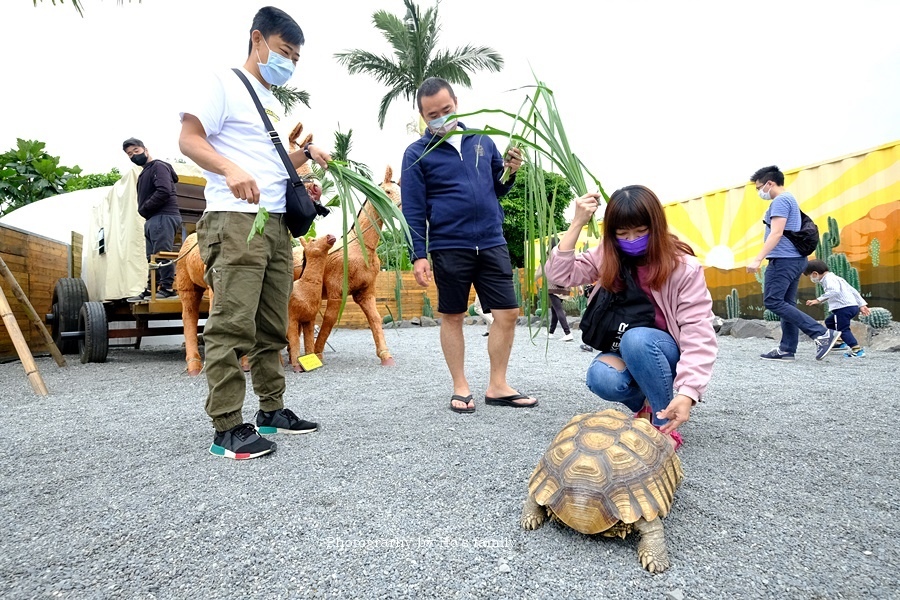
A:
(31, 370)
(32, 314)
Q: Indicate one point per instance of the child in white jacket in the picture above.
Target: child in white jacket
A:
(843, 300)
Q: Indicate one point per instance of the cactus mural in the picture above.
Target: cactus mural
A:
(879, 318)
(854, 199)
(761, 278)
(768, 315)
(875, 251)
(427, 311)
(840, 266)
(733, 305)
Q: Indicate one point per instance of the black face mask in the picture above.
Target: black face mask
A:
(139, 159)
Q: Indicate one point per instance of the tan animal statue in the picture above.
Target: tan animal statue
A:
(189, 282)
(306, 297)
(361, 275)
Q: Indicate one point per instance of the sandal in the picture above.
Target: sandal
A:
(464, 399)
(510, 401)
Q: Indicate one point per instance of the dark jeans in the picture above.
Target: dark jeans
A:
(557, 314)
(840, 320)
(651, 357)
(781, 281)
(159, 235)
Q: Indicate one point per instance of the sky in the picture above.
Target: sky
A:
(683, 97)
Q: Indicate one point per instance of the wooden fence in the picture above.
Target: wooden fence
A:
(36, 262)
(412, 300)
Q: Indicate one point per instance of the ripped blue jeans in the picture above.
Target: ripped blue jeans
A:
(650, 356)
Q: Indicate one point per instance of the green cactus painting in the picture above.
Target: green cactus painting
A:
(875, 252)
(733, 305)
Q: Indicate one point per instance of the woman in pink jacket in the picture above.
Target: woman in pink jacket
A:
(658, 372)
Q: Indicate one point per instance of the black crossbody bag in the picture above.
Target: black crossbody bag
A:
(300, 209)
(610, 314)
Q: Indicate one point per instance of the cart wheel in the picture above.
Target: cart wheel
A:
(92, 321)
(68, 296)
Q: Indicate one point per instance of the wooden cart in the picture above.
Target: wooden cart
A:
(81, 326)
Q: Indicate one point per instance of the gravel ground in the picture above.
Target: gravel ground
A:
(107, 488)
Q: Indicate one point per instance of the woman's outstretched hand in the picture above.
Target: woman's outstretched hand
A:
(677, 412)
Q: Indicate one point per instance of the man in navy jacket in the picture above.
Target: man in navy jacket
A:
(450, 201)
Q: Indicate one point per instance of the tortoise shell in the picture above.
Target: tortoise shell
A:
(604, 468)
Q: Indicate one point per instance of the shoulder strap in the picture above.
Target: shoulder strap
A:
(273, 135)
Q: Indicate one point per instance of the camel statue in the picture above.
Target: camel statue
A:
(190, 285)
(306, 298)
(361, 274)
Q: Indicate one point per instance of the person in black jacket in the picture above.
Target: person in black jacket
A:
(157, 204)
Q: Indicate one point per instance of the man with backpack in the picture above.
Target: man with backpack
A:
(786, 265)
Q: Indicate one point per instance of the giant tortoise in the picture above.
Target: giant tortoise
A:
(611, 474)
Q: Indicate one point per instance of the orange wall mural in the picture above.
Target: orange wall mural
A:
(856, 198)
(859, 194)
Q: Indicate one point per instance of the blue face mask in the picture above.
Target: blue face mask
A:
(277, 69)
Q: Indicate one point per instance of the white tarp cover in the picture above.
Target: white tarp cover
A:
(121, 271)
(57, 217)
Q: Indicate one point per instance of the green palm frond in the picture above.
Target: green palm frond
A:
(386, 103)
(290, 97)
(342, 145)
(455, 66)
(394, 30)
(77, 4)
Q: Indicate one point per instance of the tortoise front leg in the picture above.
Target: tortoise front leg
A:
(652, 546)
(533, 514)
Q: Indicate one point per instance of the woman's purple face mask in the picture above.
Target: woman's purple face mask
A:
(635, 247)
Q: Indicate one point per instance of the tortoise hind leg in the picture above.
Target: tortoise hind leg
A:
(533, 514)
(652, 546)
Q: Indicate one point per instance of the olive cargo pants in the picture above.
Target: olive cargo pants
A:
(251, 285)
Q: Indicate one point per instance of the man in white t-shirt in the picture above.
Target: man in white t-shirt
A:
(223, 132)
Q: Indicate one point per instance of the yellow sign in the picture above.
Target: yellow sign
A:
(309, 362)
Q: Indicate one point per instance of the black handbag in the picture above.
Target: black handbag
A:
(610, 314)
(805, 239)
(300, 209)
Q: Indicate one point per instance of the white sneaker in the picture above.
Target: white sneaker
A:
(566, 338)
(550, 335)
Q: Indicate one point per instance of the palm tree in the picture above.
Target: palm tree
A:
(75, 3)
(289, 97)
(415, 59)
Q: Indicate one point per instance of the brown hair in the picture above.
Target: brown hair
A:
(637, 206)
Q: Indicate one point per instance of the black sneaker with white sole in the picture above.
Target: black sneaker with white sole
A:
(282, 421)
(145, 295)
(241, 443)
